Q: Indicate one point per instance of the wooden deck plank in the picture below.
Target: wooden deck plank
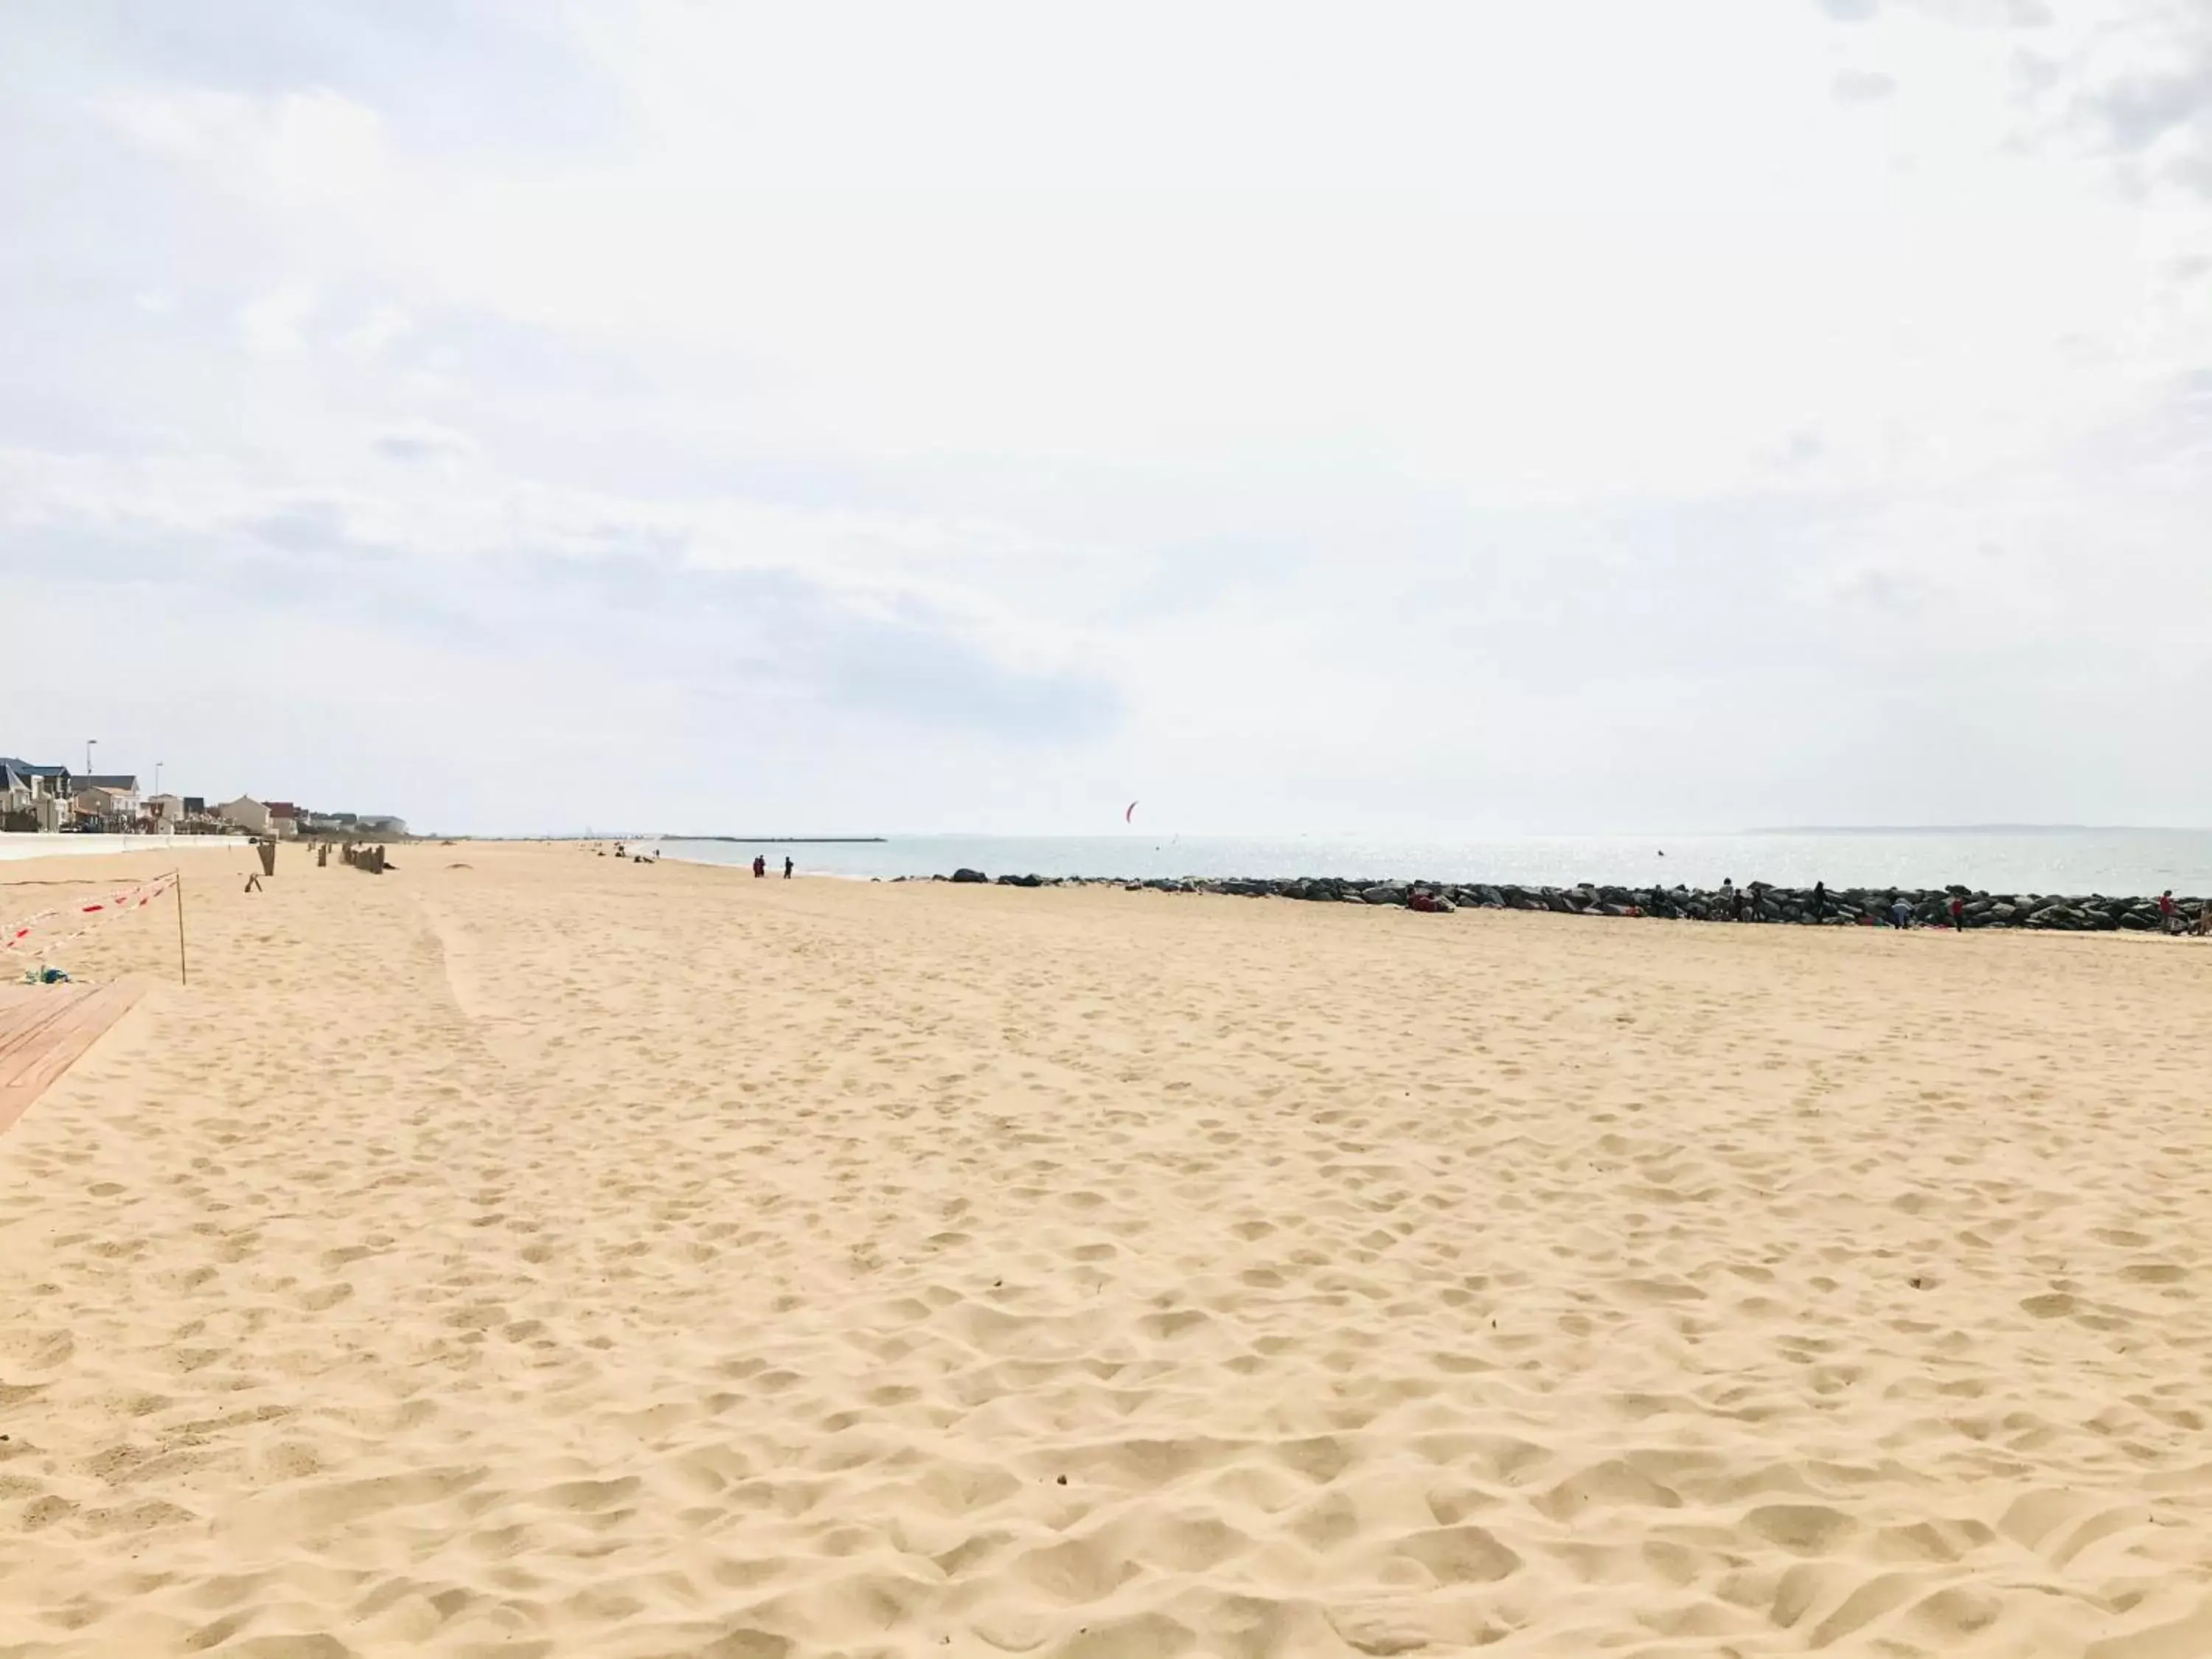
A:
(43, 1033)
(26, 1027)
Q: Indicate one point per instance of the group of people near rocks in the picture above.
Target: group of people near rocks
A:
(760, 859)
(1742, 903)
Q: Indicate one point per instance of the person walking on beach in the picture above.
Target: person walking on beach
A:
(1732, 898)
(2167, 916)
(1820, 901)
(786, 866)
(1958, 913)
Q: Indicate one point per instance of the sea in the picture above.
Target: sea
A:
(2001, 859)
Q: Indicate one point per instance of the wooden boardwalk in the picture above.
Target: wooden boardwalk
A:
(43, 1030)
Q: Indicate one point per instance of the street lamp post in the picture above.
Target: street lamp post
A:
(90, 744)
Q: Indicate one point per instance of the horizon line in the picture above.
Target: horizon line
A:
(1654, 836)
(1973, 829)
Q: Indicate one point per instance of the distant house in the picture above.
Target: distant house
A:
(123, 786)
(32, 797)
(110, 808)
(167, 810)
(195, 806)
(40, 780)
(284, 819)
(345, 826)
(18, 789)
(247, 813)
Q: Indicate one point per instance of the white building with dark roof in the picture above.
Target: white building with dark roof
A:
(247, 813)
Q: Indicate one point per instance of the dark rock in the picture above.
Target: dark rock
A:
(1759, 902)
(964, 875)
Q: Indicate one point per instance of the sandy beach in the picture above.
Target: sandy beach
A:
(526, 1254)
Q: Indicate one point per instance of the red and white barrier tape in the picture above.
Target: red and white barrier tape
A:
(91, 914)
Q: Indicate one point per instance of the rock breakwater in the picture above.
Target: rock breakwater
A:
(1755, 901)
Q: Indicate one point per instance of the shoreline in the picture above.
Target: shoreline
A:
(2057, 864)
(1763, 902)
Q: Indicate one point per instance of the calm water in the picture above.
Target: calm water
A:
(2120, 861)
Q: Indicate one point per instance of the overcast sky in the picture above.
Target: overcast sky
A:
(1470, 418)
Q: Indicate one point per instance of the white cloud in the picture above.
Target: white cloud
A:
(1864, 86)
(275, 323)
(424, 441)
(303, 149)
(376, 332)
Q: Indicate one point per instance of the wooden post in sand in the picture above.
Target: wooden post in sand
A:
(181, 977)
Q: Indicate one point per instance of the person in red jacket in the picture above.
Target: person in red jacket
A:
(1958, 913)
(2166, 915)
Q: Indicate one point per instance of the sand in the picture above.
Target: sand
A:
(525, 1253)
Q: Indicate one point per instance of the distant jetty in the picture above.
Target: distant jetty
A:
(2094, 912)
(776, 840)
